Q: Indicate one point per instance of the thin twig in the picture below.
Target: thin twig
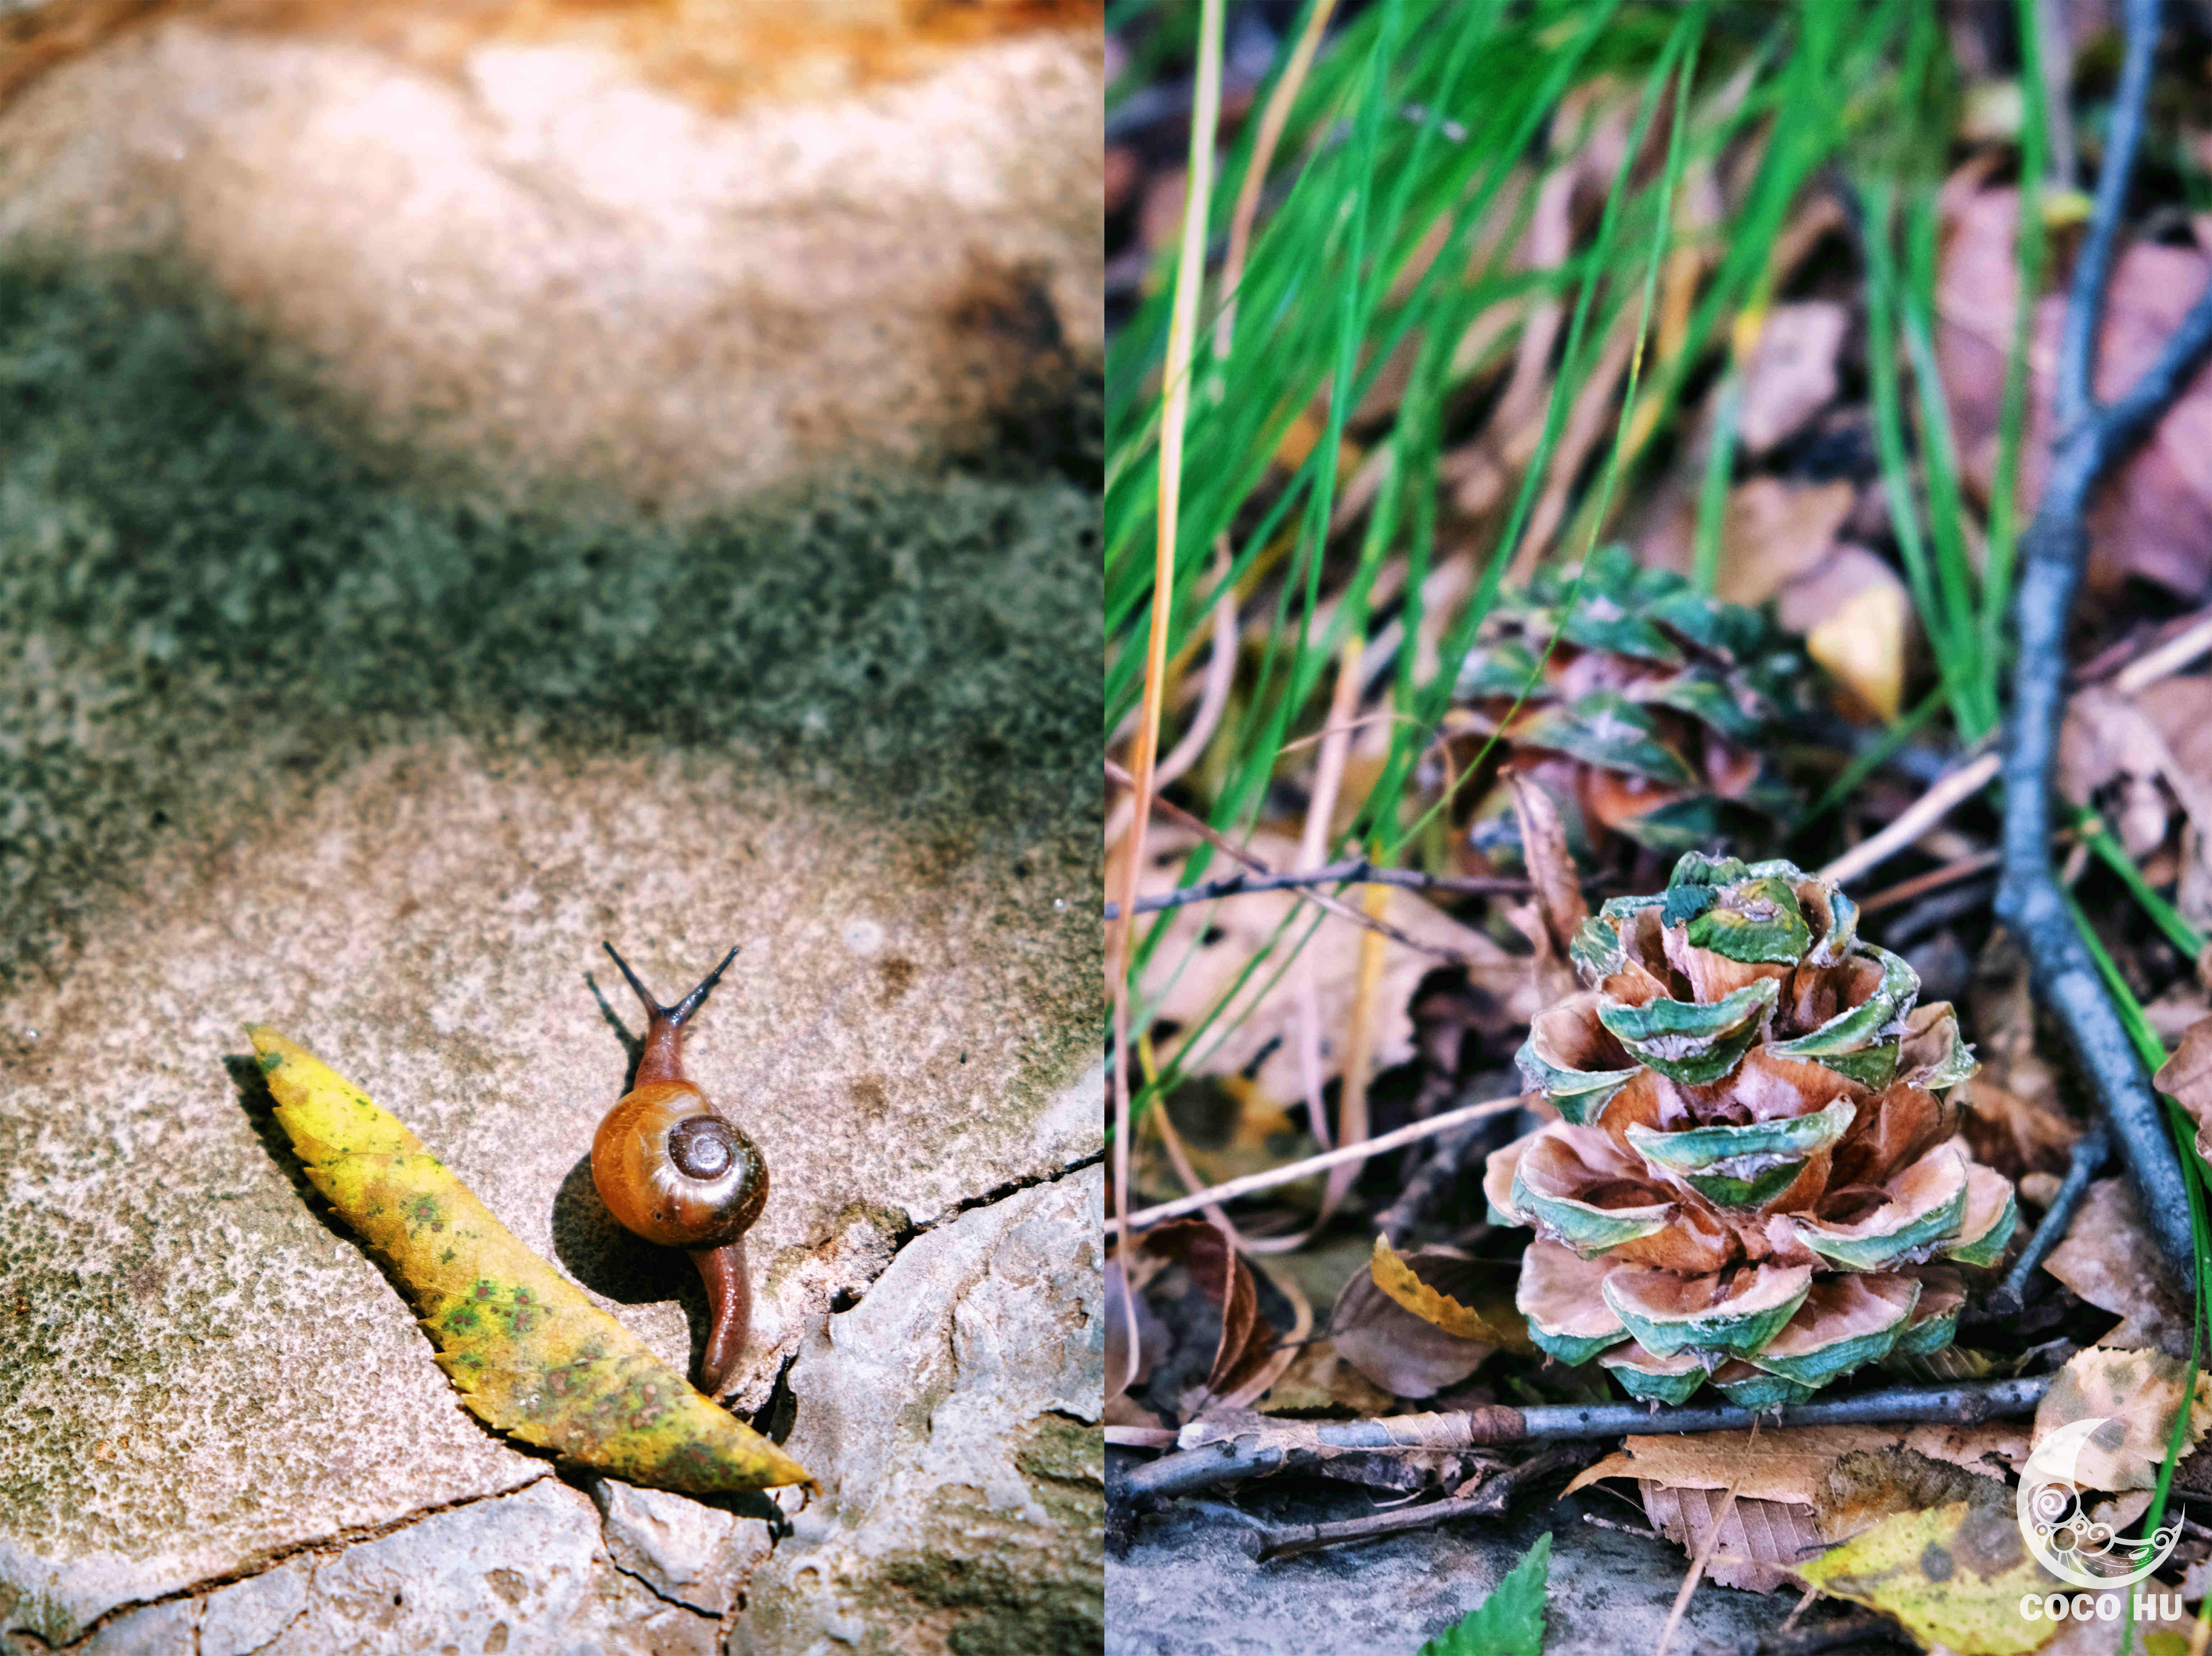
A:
(1696, 1572)
(1350, 870)
(2167, 660)
(1919, 885)
(2093, 438)
(2091, 1151)
(1952, 791)
(1290, 1172)
(1220, 1450)
(1222, 843)
(1490, 1500)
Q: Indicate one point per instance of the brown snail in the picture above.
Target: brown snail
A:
(673, 1169)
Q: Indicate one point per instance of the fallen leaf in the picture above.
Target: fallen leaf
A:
(1319, 1381)
(1153, 1341)
(530, 1355)
(1404, 1354)
(2110, 1260)
(1558, 909)
(2153, 518)
(2136, 1393)
(1857, 620)
(1799, 1488)
(1247, 1341)
(1760, 1543)
(1792, 375)
(1206, 946)
(1425, 1280)
(1775, 532)
(1510, 1621)
(2016, 1134)
(1954, 1575)
(2186, 1077)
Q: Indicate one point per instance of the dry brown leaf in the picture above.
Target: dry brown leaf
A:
(1557, 910)
(1207, 945)
(1320, 1382)
(2137, 1395)
(1792, 1463)
(2110, 1260)
(1802, 1488)
(2186, 1077)
(1760, 1545)
(1776, 532)
(2153, 517)
(1247, 1341)
(1153, 1340)
(2014, 1134)
(1400, 1352)
(1792, 375)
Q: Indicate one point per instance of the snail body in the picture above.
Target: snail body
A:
(672, 1169)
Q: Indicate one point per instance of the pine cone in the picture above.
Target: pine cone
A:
(1754, 1175)
(1648, 720)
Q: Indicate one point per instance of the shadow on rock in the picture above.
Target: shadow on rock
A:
(605, 1257)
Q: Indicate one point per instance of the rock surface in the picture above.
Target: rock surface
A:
(205, 1374)
(1188, 1587)
(602, 247)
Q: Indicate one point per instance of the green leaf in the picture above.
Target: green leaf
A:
(1510, 1622)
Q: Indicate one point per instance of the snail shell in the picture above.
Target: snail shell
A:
(673, 1170)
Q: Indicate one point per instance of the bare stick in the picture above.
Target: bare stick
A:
(1934, 880)
(1951, 791)
(1222, 843)
(1491, 1500)
(2093, 438)
(1350, 870)
(2091, 1151)
(1290, 1172)
(1224, 1451)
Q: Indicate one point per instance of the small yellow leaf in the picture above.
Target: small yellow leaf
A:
(1862, 644)
(532, 1357)
(1496, 1323)
(1955, 1575)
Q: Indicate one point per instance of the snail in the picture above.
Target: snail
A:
(673, 1170)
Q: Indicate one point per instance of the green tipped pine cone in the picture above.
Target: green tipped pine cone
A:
(1649, 720)
(1754, 1179)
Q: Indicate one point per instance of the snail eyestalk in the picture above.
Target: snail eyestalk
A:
(673, 1170)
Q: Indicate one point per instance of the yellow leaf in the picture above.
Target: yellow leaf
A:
(1862, 644)
(532, 1357)
(1954, 1575)
(1497, 1324)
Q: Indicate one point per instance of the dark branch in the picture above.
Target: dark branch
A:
(1490, 1500)
(2094, 438)
(1250, 1445)
(2091, 1151)
(1352, 870)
